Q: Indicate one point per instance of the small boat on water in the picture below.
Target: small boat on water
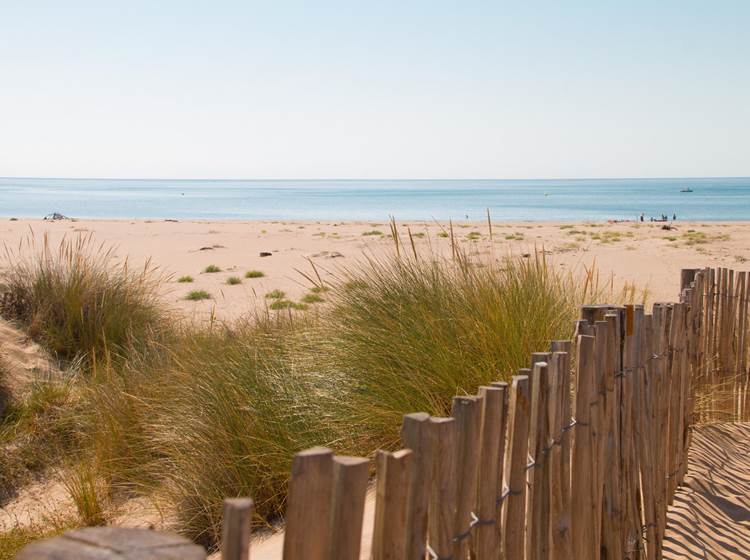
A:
(686, 189)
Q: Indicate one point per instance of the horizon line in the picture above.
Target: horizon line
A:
(629, 178)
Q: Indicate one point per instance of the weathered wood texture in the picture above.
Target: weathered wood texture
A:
(111, 543)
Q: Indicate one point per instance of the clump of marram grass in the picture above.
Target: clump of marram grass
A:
(275, 294)
(197, 295)
(312, 298)
(76, 302)
(185, 279)
(234, 280)
(254, 274)
(410, 333)
(240, 403)
(211, 269)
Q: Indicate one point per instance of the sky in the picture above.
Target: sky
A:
(377, 89)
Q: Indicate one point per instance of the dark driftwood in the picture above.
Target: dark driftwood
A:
(111, 543)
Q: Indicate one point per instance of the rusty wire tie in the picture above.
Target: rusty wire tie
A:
(505, 494)
(435, 556)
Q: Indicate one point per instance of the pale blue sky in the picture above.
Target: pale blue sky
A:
(375, 89)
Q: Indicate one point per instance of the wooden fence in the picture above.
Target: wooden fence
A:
(721, 383)
(577, 457)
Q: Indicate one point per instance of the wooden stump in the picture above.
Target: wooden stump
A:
(112, 543)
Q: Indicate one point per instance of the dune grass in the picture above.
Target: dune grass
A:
(197, 295)
(312, 297)
(78, 304)
(211, 269)
(185, 279)
(411, 333)
(234, 280)
(201, 413)
(254, 274)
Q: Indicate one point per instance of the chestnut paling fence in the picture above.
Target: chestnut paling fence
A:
(578, 457)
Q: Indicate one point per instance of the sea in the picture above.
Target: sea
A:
(507, 200)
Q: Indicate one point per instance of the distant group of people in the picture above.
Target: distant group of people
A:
(664, 218)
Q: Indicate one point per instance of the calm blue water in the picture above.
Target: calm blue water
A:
(575, 199)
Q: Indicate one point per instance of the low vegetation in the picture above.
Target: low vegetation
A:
(234, 280)
(197, 295)
(254, 274)
(311, 298)
(185, 279)
(76, 303)
(211, 269)
(199, 413)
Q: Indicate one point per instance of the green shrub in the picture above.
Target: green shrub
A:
(372, 232)
(254, 274)
(234, 280)
(78, 304)
(275, 294)
(185, 279)
(311, 298)
(211, 268)
(197, 295)
(286, 304)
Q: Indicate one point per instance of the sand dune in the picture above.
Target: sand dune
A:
(710, 517)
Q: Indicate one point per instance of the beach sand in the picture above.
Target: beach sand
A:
(639, 253)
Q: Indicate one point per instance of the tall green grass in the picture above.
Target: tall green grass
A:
(410, 333)
(76, 301)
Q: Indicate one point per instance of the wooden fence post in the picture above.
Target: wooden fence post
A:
(486, 542)
(235, 530)
(443, 497)
(468, 414)
(566, 441)
(504, 435)
(389, 533)
(308, 513)
(350, 476)
(559, 505)
(611, 542)
(537, 503)
(582, 484)
(418, 434)
(514, 504)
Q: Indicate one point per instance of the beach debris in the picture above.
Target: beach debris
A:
(55, 216)
(328, 255)
(171, 220)
(265, 254)
(212, 247)
(668, 227)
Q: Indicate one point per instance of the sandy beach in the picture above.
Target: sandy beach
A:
(624, 253)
